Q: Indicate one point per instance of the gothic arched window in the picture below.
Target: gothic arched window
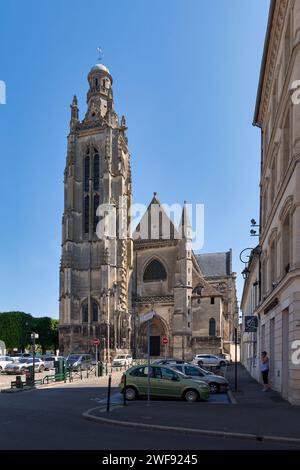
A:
(85, 313)
(212, 327)
(86, 172)
(96, 172)
(86, 215)
(155, 271)
(95, 311)
(95, 217)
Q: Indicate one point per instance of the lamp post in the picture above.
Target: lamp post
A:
(34, 336)
(108, 328)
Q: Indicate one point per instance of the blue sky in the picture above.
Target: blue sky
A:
(185, 76)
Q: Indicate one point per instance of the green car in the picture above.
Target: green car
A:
(164, 382)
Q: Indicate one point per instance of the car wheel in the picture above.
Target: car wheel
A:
(222, 363)
(41, 369)
(23, 371)
(0, 369)
(130, 393)
(191, 396)
(214, 388)
(200, 363)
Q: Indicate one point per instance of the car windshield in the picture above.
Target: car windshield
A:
(74, 357)
(49, 359)
(206, 372)
(120, 357)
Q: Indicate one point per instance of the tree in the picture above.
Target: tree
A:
(16, 328)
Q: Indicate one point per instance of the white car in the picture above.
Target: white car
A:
(49, 361)
(209, 360)
(122, 360)
(4, 360)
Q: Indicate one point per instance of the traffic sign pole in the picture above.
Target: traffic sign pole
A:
(148, 391)
(165, 342)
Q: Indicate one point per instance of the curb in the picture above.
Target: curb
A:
(204, 432)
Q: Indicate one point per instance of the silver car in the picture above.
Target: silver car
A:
(210, 360)
(50, 360)
(216, 383)
(22, 365)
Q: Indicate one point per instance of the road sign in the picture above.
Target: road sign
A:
(251, 324)
(165, 340)
(96, 341)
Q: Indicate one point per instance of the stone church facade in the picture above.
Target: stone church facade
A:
(108, 277)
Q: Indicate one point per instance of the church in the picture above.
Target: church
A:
(110, 277)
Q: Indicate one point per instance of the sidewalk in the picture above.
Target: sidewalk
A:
(256, 413)
(90, 381)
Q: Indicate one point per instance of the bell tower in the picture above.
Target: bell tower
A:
(96, 259)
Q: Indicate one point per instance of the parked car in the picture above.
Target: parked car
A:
(49, 361)
(78, 362)
(4, 360)
(169, 361)
(18, 356)
(216, 383)
(209, 360)
(122, 360)
(23, 364)
(164, 382)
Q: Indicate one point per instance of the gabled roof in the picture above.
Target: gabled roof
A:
(155, 224)
(215, 264)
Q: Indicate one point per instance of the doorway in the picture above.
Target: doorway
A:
(154, 346)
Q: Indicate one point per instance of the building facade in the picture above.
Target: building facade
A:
(277, 114)
(110, 278)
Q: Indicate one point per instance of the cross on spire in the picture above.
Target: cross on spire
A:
(100, 53)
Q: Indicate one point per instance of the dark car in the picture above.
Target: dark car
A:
(79, 361)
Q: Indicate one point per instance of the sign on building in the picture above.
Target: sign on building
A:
(251, 324)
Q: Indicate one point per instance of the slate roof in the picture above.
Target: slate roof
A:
(215, 264)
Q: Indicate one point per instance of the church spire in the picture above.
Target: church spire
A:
(74, 113)
(185, 224)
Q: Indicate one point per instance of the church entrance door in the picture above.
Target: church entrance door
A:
(154, 345)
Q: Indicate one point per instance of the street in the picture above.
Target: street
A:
(51, 419)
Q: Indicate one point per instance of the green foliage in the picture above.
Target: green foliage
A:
(16, 327)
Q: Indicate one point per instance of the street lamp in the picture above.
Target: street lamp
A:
(33, 336)
(245, 273)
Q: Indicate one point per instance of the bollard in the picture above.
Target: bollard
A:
(19, 383)
(124, 394)
(108, 393)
